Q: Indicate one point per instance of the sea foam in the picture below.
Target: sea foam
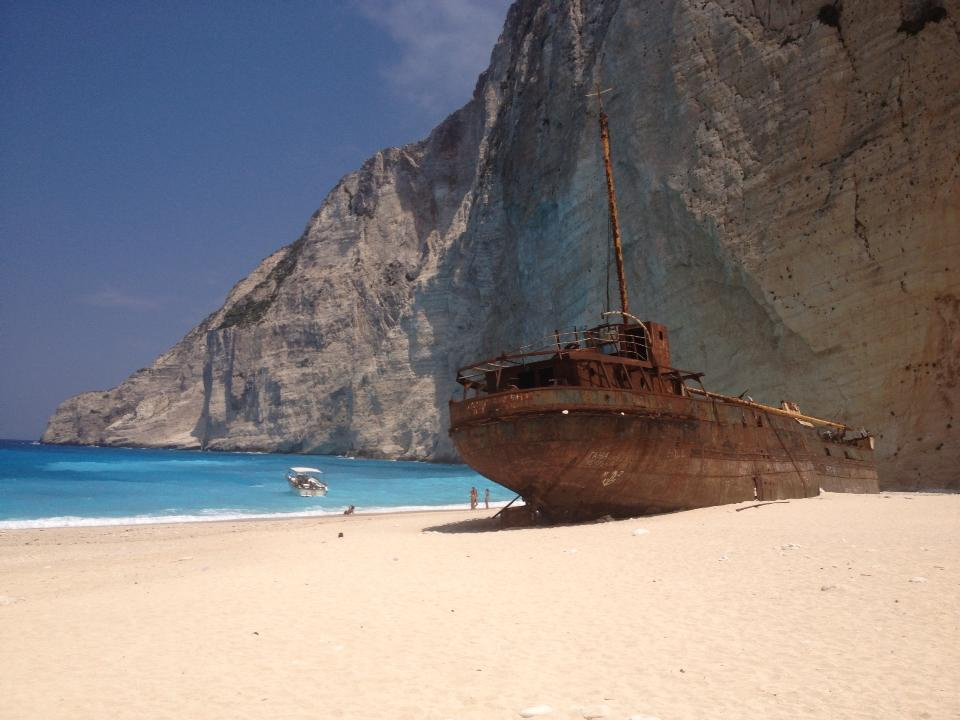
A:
(212, 516)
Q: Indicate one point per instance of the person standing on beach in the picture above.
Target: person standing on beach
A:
(473, 498)
(486, 498)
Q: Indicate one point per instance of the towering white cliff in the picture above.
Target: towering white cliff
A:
(789, 181)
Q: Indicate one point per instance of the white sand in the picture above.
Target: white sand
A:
(836, 607)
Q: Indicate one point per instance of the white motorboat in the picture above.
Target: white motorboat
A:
(304, 481)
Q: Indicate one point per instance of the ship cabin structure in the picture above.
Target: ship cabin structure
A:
(628, 356)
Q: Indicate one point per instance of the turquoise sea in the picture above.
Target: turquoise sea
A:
(59, 486)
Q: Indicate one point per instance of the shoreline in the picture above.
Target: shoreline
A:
(67, 522)
(80, 522)
(839, 606)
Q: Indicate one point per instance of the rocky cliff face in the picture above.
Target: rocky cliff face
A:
(789, 180)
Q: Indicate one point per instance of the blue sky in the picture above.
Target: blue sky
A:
(152, 153)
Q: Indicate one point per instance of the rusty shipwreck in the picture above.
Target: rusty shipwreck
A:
(596, 421)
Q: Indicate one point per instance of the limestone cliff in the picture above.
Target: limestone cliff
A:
(789, 180)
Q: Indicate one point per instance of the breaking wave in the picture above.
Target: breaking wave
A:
(213, 516)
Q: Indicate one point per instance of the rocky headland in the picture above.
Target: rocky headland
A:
(789, 181)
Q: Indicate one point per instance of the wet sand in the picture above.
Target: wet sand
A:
(841, 606)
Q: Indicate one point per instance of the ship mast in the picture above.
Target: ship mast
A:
(612, 200)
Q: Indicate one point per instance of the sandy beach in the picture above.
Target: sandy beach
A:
(841, 606)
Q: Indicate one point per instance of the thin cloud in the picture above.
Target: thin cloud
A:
(111, 298)
(444, 45)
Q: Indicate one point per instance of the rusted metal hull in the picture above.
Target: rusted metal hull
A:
(578, 453)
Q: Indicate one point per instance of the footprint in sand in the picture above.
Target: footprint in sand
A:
(536, 711)
(595, 713)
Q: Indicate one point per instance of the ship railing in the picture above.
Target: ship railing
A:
(607, 339)
(838, 429)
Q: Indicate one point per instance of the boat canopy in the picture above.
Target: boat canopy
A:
(304, 470)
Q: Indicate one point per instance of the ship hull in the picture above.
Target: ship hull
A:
(581, 453)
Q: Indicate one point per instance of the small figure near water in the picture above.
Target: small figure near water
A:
(473, 498)
(486, 498)
(349, 510)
